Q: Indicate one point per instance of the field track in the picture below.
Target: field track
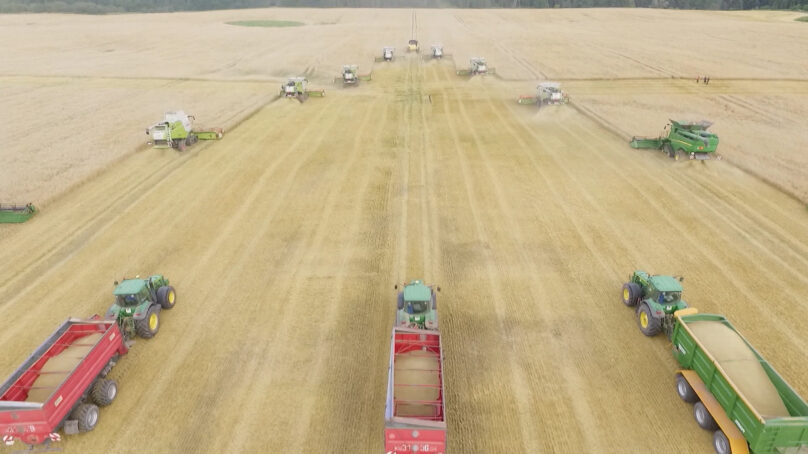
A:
(284, 241)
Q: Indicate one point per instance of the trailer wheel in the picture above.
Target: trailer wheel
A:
(166, 296)
(721, 443)
(649, 325)
(685, 391)
(104, 392)
(680, 154)
(87, 417)
(703, 417)
(631, 294)
(150, 324)
(400, 303)
(668, 149)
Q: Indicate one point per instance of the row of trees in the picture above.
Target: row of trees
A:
(122, 6)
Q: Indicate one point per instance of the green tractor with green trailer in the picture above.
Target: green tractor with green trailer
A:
(178, 131)
(138, 303)
(417, 306)
(14, 214)
(656, 298)
(680, 140)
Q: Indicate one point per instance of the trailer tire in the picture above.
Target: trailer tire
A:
(181, 145)
(166, 296)
(400, 303)
(150, 324)
(721, 443)
(685, 391)
(631, 294)
(649, 325)
(703, 417)
(104, 391)
(87, 417)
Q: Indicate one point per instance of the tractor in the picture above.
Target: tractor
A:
(417, 306)
(138, 303)
(177, 131)
(656, 298)
(682, 139)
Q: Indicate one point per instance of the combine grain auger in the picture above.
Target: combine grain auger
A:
(14, 214)
(681, 140)
(177, 131)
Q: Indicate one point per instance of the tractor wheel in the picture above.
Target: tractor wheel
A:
(400, 303)
(87, 417)
(149, 325)
(631, 294)
(434, 301)
(703, 417)
(166, 296)
(104, 392)
(649, 325)
(721, 443)
(684, 390)
(668, 149)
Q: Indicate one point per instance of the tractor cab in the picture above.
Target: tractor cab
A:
(132, 292)
(666, 292)
(417, 307)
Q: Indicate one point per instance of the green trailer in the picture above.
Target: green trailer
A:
(14, 214)
(736, 393)
(682, 140)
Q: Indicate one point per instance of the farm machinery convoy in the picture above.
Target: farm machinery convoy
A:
(64, 382)
(735, 392)
(178, 131)
(415, 414)
(681, 139)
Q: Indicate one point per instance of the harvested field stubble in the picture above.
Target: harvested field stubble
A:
(285, 238)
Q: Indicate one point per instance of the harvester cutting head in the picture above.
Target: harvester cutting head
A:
(417, 306)
(13, 214)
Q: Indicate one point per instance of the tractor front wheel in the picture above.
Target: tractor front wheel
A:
(150, 324)
(87, 417)
(631, 294)
(685, 391)
(104, 392)
(649, 325)
(166, 296)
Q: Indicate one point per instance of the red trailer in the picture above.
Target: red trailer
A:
(415, 418)
(62, 384)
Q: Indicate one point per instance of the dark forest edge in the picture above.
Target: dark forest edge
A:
(156, 6)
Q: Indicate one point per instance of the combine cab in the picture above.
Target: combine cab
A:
(656, 299)
(477, 66)
(417, 306)
(680, 140)
(138, 303)
(13, 214)
(177, 131)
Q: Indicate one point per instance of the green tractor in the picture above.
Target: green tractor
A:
(681, 140)
(417, 306)
(656, 299)
(138, 303)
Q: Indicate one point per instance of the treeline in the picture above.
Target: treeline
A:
(126, 6)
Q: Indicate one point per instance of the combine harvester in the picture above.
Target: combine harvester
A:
(736, 393)
(177, 131)
(14, 214)
(682, 139)
(477, 66)
(387, 54)
(437, 52)
(298, 88)
(350, 76)
(415, 416)
(62, 384)
(547, 93)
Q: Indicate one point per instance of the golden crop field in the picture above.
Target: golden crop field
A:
(285, 238)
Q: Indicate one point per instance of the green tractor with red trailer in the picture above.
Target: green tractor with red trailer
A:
(656, 298)
(417, 306)
(681, 140)
(138, 303)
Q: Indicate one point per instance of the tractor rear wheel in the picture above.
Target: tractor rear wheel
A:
(104, 392)
(87, 417)
(685, 391)
(721, 443)
(703, 417)
(649, 325)
(631, 294)
(150, 324)
(668, 149)
(166, 296)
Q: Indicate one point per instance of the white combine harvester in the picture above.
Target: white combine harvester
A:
(477, 66)
(546, 93)
(387, 54)
(349, 76)
(437, 51)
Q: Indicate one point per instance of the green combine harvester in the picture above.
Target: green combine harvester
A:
(681, 140)
(15, 214)
(177, 131)
(417, 306)
(138, 303)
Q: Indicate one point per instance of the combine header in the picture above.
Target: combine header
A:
(177, 131)
(477, 65)
(14, 214)
(682, 139)
(547, 93)
(298, 88)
